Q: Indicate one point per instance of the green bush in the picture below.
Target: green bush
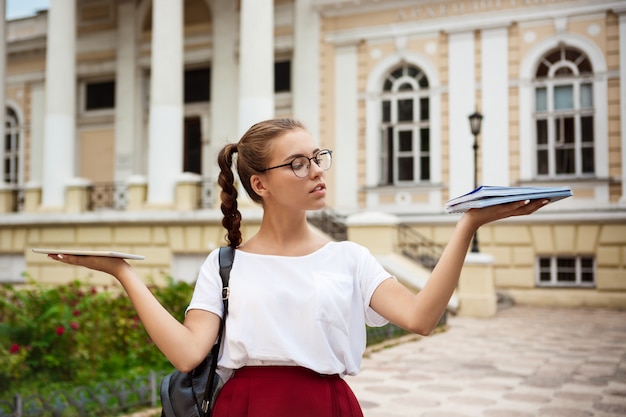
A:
(74, 335)
(60, 337)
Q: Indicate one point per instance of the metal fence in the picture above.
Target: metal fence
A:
(418, 247)
(100, 400)
(108, 196)
(107, 399)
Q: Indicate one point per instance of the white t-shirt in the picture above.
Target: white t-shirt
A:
(307, 310)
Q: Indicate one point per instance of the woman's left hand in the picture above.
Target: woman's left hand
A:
(490, 214)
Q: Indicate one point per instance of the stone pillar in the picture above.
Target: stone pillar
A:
(137, 190)
(346, 126)
(77, 195)
(622, 94)
(476, 288)
(256, 62)
(3, 77)
(461, 103)
(224, 81)
(376, 231)
(188, 190)
(305, 84)
(495, 106)
(59, 148)
(165, 153)
(32, 197)
(126, 112)
(7, 198)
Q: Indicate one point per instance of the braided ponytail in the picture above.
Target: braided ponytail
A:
(226, 180)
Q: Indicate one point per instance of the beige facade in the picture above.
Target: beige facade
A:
(128, 163)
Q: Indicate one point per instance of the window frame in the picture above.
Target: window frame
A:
(550, 150)
(12, 154)
(392, 95)
(83, 91)
(554, 270)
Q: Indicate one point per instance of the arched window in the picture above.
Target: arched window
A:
(564, 114)
(405, 127)
(11, 148)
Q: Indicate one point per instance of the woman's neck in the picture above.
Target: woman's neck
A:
(284, 235)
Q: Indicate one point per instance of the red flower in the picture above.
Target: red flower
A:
(76, 313)
(94, 291)
(60, 330)
(14, 348)
(74, 325)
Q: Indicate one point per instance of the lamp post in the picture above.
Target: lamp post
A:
(475, 119)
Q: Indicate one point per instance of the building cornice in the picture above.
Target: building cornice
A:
(418, 24)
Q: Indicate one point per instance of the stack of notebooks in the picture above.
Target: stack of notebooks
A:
(488, 195)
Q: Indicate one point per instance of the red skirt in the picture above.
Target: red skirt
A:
(285, 391)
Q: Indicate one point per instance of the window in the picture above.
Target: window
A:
(11, 161)
(192, 152)
(282, 76)
(566, 271)
(99, 95)
(12, 267)
(564, 115)
(405, 127)
(197, 85)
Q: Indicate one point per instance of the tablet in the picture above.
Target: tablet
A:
(109, 253)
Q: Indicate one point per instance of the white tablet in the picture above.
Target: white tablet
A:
(109, 253)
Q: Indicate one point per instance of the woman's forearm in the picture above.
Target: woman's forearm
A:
(436, 294)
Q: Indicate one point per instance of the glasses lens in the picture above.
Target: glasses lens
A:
(324, 159)
(300, 166)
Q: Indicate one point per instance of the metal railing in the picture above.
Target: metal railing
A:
(330, 222)
(207, 192)
(18, 200)
(102, 399)
(122, 396)
(418, 247)
(108, 195)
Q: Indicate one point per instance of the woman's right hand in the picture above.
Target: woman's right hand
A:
(109, 265)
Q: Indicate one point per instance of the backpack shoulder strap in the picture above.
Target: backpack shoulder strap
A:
(227, 256)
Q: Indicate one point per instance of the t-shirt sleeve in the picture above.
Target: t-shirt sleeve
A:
(207, 294)
(371, 274)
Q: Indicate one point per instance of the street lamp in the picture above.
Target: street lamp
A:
(475, 119)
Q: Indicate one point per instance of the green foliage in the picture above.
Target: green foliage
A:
(75, 334)
(58, 338)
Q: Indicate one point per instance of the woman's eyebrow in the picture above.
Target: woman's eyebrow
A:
(297, 155)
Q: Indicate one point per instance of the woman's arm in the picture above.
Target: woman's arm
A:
(421, 312)
(184, 344)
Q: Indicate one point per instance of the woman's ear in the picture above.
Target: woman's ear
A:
(258, 185)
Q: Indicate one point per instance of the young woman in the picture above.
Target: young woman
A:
(298, 302)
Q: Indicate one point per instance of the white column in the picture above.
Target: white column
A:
(37, 132)
(622, 94)
(256, 62)
(224, 81)
(165, 154)
(461, 103)
(59, 148)
(126, 77)
(3, 78)
(346, 127)
(493, 141)
(306, 85)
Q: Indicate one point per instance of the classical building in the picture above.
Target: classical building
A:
(115, 110)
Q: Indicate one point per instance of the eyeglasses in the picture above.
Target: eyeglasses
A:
(300, 165)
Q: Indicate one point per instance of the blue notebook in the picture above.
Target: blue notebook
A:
(489, 195)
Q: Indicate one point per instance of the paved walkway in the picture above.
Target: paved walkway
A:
(525, 362)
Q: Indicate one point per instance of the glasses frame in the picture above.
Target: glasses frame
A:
(313, 158)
